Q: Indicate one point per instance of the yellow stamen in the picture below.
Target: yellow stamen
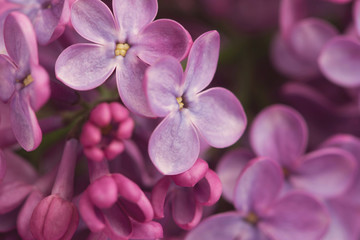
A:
(251, 218)
(181, 104)
(27, 80)
(121, 49)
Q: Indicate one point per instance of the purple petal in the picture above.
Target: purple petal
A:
(23, 220)
(219, 117)
(2, 166)
(49, 23)
(18, 169)
(280, 133)
(20, 40)
(85, 66)
(129, 78)
(344, 222)
(93, 20)
(225, 226)
(356, 14)
(327, 172)
(133, 15)
(89, 215)
(291, 12)
(162, 83)
(202, 62)
(12, 195)
(24, 123)
(339, 61)
(8, 220)
(229, 169)
(208, 190)
(103, 192)
(296, 216)
(161, 38)
(148, 230)
(158, 196)
(174, 145)
(309, 36)
(193, 175)
(186, 212)
(288, 63)
(258, 186)
(117, 222)
(7, 78)
(39, 90)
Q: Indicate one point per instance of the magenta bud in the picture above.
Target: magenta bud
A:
(101, 115)
(114, 149)
(119, 112)
(193, 175)
(103, 192)
(90, 135)
(54, 218)
(125, 129)
(94, 153)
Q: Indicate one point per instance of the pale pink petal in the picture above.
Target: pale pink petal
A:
(129, 79)
(297, 216)
(202, 62)
(85, 66)
(280, 133)
(161, 38)
(229, 169)
(326, 173)
(219, 117)
(162, 83)
(20, 40)
(258, 186)
(339, 61)
(24, 123)
(93, 20)
(39, 90)
(174, 145)
(225, 226)
(133, 15)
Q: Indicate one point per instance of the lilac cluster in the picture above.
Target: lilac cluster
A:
(113, 124)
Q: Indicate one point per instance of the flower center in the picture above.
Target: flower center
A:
(181, 104)
(121, 49)
(251, 218)
(26, 81)
(286, 172)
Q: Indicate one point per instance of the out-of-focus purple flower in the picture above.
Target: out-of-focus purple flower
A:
(48, 17)
(215, 114)
(127, 42)
(24, 83)
(116, 206)
(262, 214)
(193, 189)
(296, 49)
(102, 136)
(280, 133)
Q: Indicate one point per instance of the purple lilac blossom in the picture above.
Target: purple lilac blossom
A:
(262, 213)
(25, 85)
(127, 41)
(214, 114)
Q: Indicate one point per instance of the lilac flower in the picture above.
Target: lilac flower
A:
(262, 214)
(24, 83)
(193, 189)
(280, 133)
(116, 206)
(215, 114)
(48, 17)
(102, 136)
(127, 42)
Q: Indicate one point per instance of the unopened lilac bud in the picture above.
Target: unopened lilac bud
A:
(103, 192)
(54, 218)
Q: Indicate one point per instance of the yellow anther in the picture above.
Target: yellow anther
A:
(179, 100)
(251, 218)
(121, 49)
(27, 80)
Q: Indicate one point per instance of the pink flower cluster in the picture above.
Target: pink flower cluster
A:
(115, 122)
